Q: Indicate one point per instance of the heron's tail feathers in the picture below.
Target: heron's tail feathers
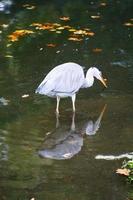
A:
(44, 88)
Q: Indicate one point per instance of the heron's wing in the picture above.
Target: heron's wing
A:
(68, 79)
(64, 79)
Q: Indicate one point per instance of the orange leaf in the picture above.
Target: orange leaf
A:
(18, 33)
(97, 50)
(90, 33)
(124, 171)
(51, 45)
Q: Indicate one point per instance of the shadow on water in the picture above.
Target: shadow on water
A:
(64, 144)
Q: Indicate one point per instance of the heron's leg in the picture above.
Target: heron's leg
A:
(57, 120)
(57, 106)
(73, 122)
(73, 102)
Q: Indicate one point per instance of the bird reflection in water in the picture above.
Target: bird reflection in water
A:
(64, 144)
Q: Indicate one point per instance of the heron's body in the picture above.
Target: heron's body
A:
(65, 80)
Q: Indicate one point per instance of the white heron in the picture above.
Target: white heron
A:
(66, 79)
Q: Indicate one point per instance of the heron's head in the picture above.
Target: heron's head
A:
(98, 74)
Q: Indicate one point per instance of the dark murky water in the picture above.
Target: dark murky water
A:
(43, 157)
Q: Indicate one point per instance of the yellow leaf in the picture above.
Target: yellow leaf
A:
(60, 28)
(80, 32)
(8, 56)
(36, 24)
(53, 29)
(72, 30)
(67, 27)
(58, 32)
(56, 24)
(18, 33)
(75, 39)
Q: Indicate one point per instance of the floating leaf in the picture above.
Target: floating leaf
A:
(18, 33)
(72, 29)
(65, 18)
(36, 24)
(60, 28)
(4, 25)
(97, 50)
(75, 39)
(103, 4)
(8, 45)
(8, 56)
(29, 7)
(95, 16)
(57, 51)
(128, 24)
(58, 32)
(51, 45)
(89, 33)
(124, 171)
(67, 27)
(53, 29)
(25, 95)
(80, 32)
(56, 24)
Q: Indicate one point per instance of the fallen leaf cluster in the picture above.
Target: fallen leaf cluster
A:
(18, 33)
(75, 34)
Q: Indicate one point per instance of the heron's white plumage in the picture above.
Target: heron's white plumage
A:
(66, 79)
(63, 80)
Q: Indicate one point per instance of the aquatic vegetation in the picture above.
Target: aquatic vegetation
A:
(127, 170)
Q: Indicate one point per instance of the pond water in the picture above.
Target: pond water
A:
(73, 156)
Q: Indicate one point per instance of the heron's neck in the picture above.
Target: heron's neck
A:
(89, 78)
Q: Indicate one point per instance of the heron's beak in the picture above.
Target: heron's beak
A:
(103, 81)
